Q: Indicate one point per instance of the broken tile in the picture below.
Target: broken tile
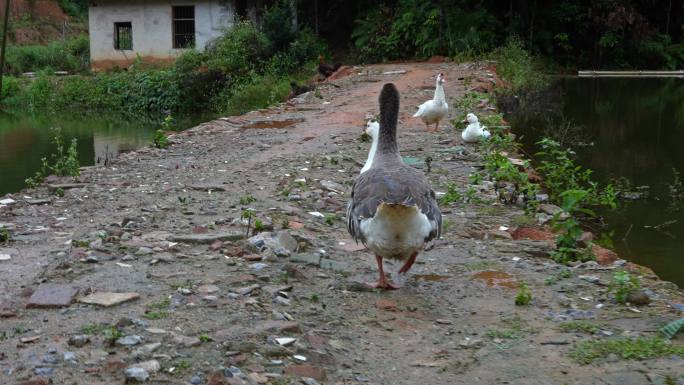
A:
(52, 295)
(107, 299)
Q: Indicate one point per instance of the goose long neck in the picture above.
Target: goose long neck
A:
(373, 149)
(389, 114)
(439, 93)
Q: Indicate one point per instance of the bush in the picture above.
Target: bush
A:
(277, 25)
(517, 66)
(419, 28)
(71, 55)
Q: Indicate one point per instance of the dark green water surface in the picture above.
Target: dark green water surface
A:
(26, 138)
(621, 127)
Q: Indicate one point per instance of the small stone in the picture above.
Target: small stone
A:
(78, 340)
(144, 251)
(257, 378)
(195, 380)
(129, 340)
(51, 295)
(146, 349)
(43, 371)
(108, 299)
(308, 258)
(70, 357)
(277, 327)
(639, 298)
(306, 370)
(208, 238)
(311, 381)
(281, 243)
(137, 374)
(386, 304)
(590, 278)
(604, 256)
(185, 341)
(208, 289)
(468, 343)
(285, 341)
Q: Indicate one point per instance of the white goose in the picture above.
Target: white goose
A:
(433, 111)
(372, 129)
(392, 210)
(474, 132)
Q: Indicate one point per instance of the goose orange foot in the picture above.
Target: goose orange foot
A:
(383, 282)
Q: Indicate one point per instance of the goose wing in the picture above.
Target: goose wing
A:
(404, 185)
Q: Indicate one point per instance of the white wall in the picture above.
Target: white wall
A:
(152, 28)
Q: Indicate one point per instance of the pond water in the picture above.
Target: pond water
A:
(26, 138)
(628, 128)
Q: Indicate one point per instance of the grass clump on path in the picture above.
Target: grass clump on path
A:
(642, 348)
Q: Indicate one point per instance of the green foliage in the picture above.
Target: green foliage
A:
(156, 314)
(330, 219)
(247, 199)
(560, 174)
(64, 161)
(160, 140)
(475, 178)
(258, 225)
(4, 235)
(205, 338)
(672, 328)
(567, 226)
(277, 25)
(623, 284)
(419, 28)
(238, 72)
(452, 195)
(524, 295)
(642, 348)
(579, 326)
(72, 55)
(516, 65)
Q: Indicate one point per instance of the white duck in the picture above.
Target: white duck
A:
(392, 209)
(474, 132)
(433, 111)
(372, 129)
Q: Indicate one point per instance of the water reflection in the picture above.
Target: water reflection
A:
(629, 128)
(25, 139)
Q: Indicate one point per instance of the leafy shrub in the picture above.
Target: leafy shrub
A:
(420, 28)
(517, 66)
(524, 295)
(562, 174)
(622, 285)
(72, 55)
(277, 25)
(569, 229)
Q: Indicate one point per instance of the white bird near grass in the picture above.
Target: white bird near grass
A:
(474, 132)
(433, 111)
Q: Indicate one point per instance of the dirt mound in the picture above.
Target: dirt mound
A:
(36, 10)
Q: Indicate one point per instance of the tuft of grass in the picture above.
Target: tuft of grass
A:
(156, 314)
(247, 199)
(623, 284)
(452, 195)
(205, 338)
(641, 348)
(161, 304)
(4, 235)
(330, 219)
(524, 295)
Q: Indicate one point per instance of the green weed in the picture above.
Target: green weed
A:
(579, 326)
(247, 199)
(642, 348)
(452, 195)
(4, 235)
(623, 284)
(524, 295)
(156, 314)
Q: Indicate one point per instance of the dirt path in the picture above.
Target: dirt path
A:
(165, 224)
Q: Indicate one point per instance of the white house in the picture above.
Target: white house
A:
(158, 30)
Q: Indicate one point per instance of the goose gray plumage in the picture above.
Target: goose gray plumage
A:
(392, 210)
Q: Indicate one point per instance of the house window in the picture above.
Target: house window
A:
(123, 35)
(184, 27)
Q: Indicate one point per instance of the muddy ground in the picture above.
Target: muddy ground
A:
(214, 308)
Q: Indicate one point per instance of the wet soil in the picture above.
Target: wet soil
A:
(213, 308)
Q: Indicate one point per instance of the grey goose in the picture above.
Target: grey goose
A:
(392, 209)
